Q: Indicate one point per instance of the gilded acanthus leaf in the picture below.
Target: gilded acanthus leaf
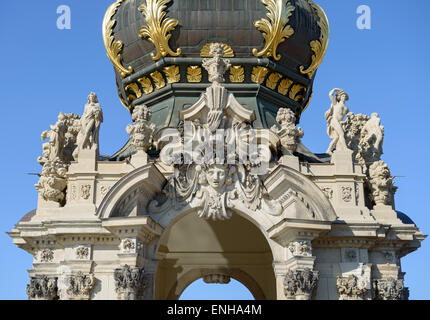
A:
(158, 27)
(297, 92)
(158, 79)
(276, 29)
(172, 74)
(259, 74)
(194, 74)
(114, 48)
(134, 89)
(237, 74)
(284, 86)
(146, 85)
(272, 80)
(319, 47)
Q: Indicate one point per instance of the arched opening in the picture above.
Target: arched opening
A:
(199, 290)
(192, 248)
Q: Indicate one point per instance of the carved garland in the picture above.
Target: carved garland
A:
(114, 48)
(319, 47)
(277, 29)
(158, 27)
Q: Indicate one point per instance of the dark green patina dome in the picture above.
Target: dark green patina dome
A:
(157, 47)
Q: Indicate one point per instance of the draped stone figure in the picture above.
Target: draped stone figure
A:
(334, 117)
(88, 137)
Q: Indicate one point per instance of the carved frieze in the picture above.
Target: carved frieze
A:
(46, 255)
(300, 248)
(82, 253)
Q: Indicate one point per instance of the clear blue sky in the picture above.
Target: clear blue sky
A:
(46, 70)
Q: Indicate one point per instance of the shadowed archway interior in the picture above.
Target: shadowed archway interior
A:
(192, 248)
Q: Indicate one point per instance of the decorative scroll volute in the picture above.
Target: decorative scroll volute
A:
(114, 48)
(158, 27)
(319, 47)
(276, 29)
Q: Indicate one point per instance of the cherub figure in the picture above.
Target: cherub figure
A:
(334, 117)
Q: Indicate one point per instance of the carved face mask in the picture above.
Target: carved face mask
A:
(216, 176)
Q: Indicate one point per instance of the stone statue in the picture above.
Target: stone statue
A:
(141, 132)
(54, 148)
(52, 182)
(381, 183)
(372, 137)
(88, 137)
(334, 117)
(288, 134)
(57, 154)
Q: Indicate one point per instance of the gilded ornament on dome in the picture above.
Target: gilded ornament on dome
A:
(276, 29)
(259, 74)
(158, 80)
(228, 51)
(297, 92)
(114, 48)
(194, 74)
(319, 47)
(272, 80)
(284, 86)
(134, 89)
(237, 74)
(146, 85)
(158, 27)
(172, 74)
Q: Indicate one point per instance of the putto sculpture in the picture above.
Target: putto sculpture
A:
(288, 134)
(382, 184)
(141, 132)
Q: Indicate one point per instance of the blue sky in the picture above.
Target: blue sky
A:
(46, 70)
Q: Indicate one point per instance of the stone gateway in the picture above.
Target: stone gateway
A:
(214, 181)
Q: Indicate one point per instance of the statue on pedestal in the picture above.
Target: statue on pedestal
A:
(88, 137)
(334, 117)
